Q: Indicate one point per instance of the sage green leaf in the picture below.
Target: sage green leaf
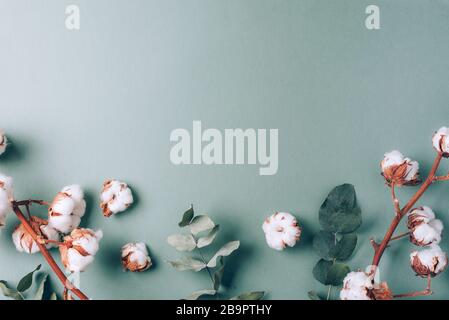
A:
(324, 244)
(40, 290)
(187, 263)
(225, 251)
(340, 212)
(218, 275)
(26, 282)
(321, 270)
(200, 224)
(182, 242)
(207, 240)
(8, 292)
(345, 247)
(337, 272)
(313, 295)
(197, 294)
(53, 296)
(255, 295)
(187, 217)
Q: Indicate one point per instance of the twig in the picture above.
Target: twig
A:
(400, 236)
(430, 179)
(48, 257)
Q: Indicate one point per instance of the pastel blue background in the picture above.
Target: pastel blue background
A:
(100, 103)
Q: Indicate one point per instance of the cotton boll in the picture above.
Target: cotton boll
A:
(356, 286)
(399, 170)
(115, 197)
(135, 257)
(420, 215)
(67, 209)
(79, 249)
(427, 233)
(24, 242)
(281, 230)
(6, 196)
(3, 142)
(440, 141)
(431, 261)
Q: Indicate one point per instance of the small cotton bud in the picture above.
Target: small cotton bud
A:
(79, 249)
(67, 209)
(281, 230)
(431, 261)
(399, 170)
(357, 285)
(24, 241)
(440, 141)
(135, 257)
(418, 216)
(116, 197)
(427, 233)
(6, 196)
(3, 142)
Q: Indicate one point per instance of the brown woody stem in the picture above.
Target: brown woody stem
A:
(402, 212)
(48, 257)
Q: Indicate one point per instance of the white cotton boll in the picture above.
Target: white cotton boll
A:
(420, 215)
(3, 142)
(24, 242)
(63, 205)
(281, 230)
(79, 249)
(399, 170)
(80, 209)
(7, 184)
(115, 197)
(429, 261)
(426, 234)
(74, 191)
(392, 158)
(440, 141)
(356, 286)
(135, 257)
(76, 262)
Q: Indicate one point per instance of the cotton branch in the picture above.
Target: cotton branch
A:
(41, 244)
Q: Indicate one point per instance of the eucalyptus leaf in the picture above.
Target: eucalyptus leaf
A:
(313, 295)
(40, 290)
(8, 292)
(207, 240)
(337, 272)
(187, 263)
(197, 294)
(321, 270)
(255, 295)
(200, 224)
(187, 217)
(182, 242)
(225, 251)
(340, 212)
(324, 244)
(26, 282)
(345, 247)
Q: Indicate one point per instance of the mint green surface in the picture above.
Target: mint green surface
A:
(100, 103)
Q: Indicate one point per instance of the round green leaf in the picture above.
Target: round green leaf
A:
(187, 217)
(321, 270)
(340, 212)
(344, 247)
(337, 272)
(324, 244)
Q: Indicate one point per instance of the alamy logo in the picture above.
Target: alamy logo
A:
(72, 20)
(212, 147)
